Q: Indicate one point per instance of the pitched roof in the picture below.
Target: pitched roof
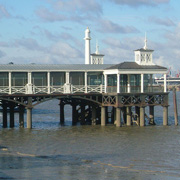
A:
(144, 50)
(134, 65)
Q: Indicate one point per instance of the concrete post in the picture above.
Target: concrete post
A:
(21, 116)
(103, 116)
(4, 116)
(118, 117)
(93, 115)
(29, 113)
(128, 113)
(142, 117)
(29, 118)
(61, 113)
(165, 115)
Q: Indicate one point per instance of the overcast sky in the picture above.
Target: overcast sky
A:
(52, 31)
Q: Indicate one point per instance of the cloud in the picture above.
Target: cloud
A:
(48, 16)
(136, 3)
(28, 43)
(2, 54)
(164, 22)
(4, 12)
(108, 26)
(79, 6)
(65, 50)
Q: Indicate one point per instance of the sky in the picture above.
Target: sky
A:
(52, 31)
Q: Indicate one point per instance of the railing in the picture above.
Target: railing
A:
(134, 89)
(18, 90)
(69, 88)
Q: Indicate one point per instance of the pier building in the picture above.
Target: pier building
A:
(98, 93)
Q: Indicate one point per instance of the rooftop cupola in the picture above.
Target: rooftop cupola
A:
(97, 58)
(143, 56)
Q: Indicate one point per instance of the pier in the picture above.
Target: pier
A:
(98, 93)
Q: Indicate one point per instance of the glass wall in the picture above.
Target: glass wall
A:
(94, 78)
(4, 81)
(77, 78)
(57, 78)
(39, 78)
(112, 80)
(19, 78)
(123, 82)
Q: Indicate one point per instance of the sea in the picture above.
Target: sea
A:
(84, 152)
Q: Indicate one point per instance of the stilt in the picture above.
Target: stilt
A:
(29, 118)
(118, 116)
(124, 115)
(29, 113)
(151, 115)
(137, 109)
(12, 115)
(4, 115)
(142, 117)
(103, 116)
(61, 113)
(74, 114)
(128, 113)
(113, 115)
(83, 114)
(107, 115)
(98, 115)
(93, 115)
(21, 116)
(165, 115)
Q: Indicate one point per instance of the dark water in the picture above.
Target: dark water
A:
(51, 151)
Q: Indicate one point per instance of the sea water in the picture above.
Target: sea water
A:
(52, 151)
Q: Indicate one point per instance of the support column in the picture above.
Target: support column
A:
(142, 117)
(29, 118)
(12, 115)
(151, 115)
(48, 82)
(118, 117)
(142, 83)
(128, 85)
(85, 78)
(29, 78)
(105, 83)
(165, 115)
(21, 116)
(83, 114)
(61, 113)
(67, 77)
(4, 115)
(165, 84)
(29, 113)
(103, 116)
(128, 113)
(137, 109)
(74, 114)
(93, 115)
(118, 83)
(10, 92)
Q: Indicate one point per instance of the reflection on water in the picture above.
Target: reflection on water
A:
(52, 151)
